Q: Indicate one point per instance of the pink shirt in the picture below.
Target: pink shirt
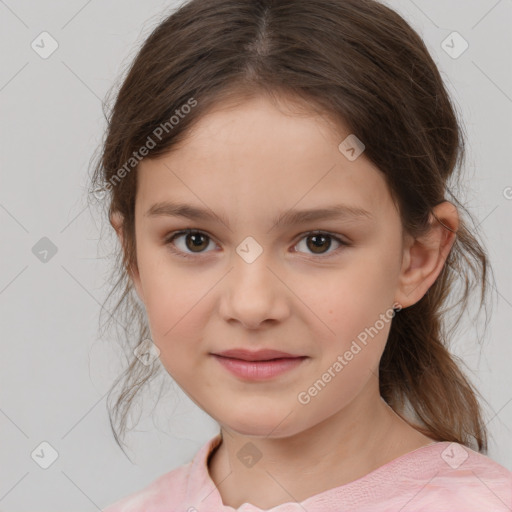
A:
(440, 477)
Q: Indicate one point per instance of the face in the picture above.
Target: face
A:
(245, 281)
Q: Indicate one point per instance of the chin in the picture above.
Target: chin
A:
(261, 425)
(250, 430)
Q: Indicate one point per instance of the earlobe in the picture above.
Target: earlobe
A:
(425, 257)
(116, 221)
(134, 274)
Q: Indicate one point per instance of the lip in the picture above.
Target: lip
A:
(256, 355)
(259, 365)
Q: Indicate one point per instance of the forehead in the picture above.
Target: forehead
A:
(256, 156)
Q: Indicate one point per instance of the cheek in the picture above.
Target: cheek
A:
(355, 306)
(175, 306)
(353, 296)
(174, 317)
(175, 325)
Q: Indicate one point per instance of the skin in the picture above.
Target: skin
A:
(249, 162)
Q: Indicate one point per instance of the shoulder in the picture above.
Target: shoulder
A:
(459, 476)
(165, 490)
(172, 489)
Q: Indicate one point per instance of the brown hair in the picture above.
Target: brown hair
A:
(358, 62)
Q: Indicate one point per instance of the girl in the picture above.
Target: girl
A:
(277, 174)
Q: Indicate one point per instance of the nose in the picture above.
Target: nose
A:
(253, 293)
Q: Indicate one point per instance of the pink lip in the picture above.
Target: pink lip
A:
(255, 355)
(260, 365)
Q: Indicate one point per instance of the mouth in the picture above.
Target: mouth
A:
(257, 366)
(256, 356)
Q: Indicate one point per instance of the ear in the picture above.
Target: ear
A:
(424, 257)
(116, 220)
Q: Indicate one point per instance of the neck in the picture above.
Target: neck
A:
(355, 441)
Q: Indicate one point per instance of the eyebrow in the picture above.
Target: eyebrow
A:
(287, 218)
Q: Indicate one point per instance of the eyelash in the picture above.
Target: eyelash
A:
(172, 236)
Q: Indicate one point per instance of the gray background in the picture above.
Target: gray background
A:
(55, 372)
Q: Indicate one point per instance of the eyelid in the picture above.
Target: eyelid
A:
(337, 236)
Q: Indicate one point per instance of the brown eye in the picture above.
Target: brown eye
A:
(320, 242)
(194, 242)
